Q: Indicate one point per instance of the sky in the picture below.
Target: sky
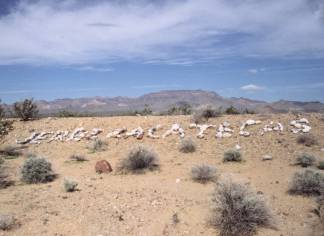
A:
(258, 49)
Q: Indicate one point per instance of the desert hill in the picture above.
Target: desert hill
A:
(164, 100)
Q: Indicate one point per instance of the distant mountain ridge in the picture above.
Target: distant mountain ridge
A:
(163, 100)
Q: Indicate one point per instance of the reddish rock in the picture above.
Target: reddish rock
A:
(103, 166)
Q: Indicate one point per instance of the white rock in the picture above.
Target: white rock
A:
(266, 158)
(219, 135)
(306, 129)
(237, 147)
(177, 180)
(303, 120)
(226, 124)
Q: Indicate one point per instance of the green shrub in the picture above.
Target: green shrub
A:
(307, 182)
(26, 109)
(187, 145)
(4, 180)
(70, 185)
(238, 211)
(232, 155)
(203, 173)
(37, 170)
(320, 165)
(232, 111)
(204, 114)
(139, 158)
(305, 160)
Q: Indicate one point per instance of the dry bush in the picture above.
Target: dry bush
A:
(187, 145)
(37, 170)
(320, 209)
(97, 145)
(5, 127)
(307, 140)
(232, 155)
(307, 182)
(4, 180)
(204, 114)
(238, 211)
(138, 159)
(7, 222)
(26, 110)
(78, 158)
(10, 152)
(70, 185)
(203, 173)
(305, 160)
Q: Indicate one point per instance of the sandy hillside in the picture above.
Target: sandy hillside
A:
(143, 204)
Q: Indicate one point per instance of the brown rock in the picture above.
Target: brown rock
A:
(103, 166)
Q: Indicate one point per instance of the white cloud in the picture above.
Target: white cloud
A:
(252, 88)
(253, 71)
(98, 69)
(39, 32)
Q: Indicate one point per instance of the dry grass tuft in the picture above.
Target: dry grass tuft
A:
(307, 182)
(238, 211)
(203, 173)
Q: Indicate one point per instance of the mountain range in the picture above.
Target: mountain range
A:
(164, 100)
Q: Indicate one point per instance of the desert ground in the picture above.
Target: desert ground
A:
(143, 204)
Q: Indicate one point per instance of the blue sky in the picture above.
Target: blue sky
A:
(266, 50)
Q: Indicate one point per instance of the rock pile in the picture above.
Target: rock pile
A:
(138, 133)
(300, 126)
(152, 130)
(117, 133)
(175, 129)
(247, 123)
(272, 126)
(202, 129)
(224, 130)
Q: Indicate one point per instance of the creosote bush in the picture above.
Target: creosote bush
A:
(26, 110)
(187, 145)
(70, 185)
(37, 170)
(306, 139)
(238, 211)
(307, 182)
(204, 114)
(138, 159)
(97, 145)
(7, 222)
(305, 160)
(232, 155)
(78, 158)
(203, 173)
(320, 165)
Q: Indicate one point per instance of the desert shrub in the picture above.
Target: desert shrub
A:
(239, 211)
(320, 165)
(26, 109)
(232, 111)
(138, 159)
(37, 170)
(305, 160)
(203, 173)
(67, 113)
(204, 114)
(10, 152)
(232, 155)
(78, 158)
(187, 145)
(4, 180)
(7, 222)
(2, 112)
(306, 139)
(307, 182)
(97, 145)
(182, 108)
(5, 127)
(320, 209)
(70, 185)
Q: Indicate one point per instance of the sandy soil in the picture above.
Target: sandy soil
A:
(143, 204)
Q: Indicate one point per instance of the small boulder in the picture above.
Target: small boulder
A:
(103, 166)
(267, 158)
